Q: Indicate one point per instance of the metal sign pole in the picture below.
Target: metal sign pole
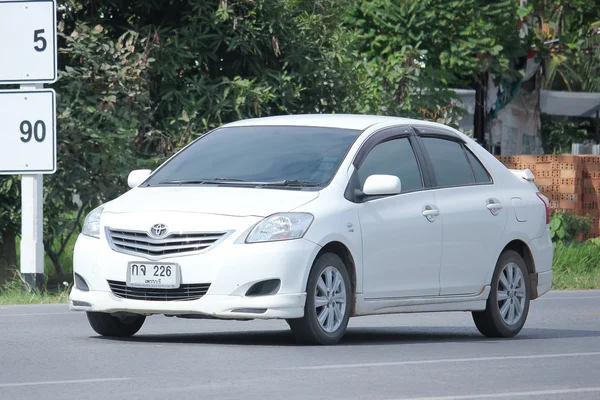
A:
(32, 225)
(32, 232)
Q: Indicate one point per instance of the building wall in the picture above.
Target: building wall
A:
(517, 127)
(571, 183)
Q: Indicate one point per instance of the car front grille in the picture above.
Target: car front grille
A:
(185, 292)
(140, 243)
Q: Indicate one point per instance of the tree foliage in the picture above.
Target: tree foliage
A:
(567, 35)
(10, 206)
(139, 79)
(559, 133)
(453, 40)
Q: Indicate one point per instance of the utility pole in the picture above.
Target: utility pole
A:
(479, 117)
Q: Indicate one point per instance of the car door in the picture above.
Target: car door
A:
(401, 245)
(472, 211)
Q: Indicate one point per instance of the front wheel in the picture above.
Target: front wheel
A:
(508, 304)
(110, 325)
(328, 303)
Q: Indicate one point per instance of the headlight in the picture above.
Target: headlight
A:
(91, 225)
(284, 226)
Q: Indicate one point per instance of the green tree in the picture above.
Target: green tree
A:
(448, 44)
(10, 206)
(566, 34)
(139, 79)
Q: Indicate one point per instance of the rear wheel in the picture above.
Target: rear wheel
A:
(328, 303)
(508, 304)
(118, 326)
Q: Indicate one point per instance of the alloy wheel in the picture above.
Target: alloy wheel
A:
(511, 293)
(330, 299)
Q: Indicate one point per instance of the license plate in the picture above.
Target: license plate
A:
(153, 275)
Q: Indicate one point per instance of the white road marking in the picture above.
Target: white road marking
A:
(20, 384)
(34, 314)
(509, 395)
(447, 360)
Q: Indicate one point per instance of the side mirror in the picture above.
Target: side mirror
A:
(381, 185)
(138, 176)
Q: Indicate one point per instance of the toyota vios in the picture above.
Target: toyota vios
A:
(315, 219)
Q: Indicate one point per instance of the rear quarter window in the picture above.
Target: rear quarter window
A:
(481, 174)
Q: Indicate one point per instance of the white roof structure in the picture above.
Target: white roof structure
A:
(570, 104)
(552, 102)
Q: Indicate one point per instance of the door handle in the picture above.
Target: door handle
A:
(430, 212)
(433, 213)
(493, 205)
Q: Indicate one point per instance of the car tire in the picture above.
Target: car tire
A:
(507, 306)
(328, 303)
(109, 325)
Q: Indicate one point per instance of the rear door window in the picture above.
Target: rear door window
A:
(449, 161)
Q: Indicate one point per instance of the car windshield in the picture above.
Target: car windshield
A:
(297, 156)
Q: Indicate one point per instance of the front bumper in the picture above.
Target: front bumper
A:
(218, 306)
(231, 268)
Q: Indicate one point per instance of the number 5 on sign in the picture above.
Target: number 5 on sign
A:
(27, 41)
(27, 132)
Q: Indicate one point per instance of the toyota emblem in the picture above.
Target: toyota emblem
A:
(158, 230)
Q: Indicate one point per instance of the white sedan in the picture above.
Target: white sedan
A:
(315, 219)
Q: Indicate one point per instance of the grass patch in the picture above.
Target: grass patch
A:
(18, 297)
(55, 291)
(13, 293)
(576, 266)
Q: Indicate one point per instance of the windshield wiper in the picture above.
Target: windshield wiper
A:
(233, 181)
(201, 181)
(294, 182)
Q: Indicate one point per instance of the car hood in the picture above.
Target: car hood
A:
(221, 200)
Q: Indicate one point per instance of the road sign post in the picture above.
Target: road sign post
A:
(28, 117)
(32, 231)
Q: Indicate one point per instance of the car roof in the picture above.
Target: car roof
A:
(343, 121)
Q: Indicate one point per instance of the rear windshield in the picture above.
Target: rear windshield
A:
(260, 154)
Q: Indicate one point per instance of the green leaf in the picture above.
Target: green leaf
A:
(555, 223)
(522, 12)
(561, 233)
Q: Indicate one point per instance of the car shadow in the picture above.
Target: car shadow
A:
(353, 337)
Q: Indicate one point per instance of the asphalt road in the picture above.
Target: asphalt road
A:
(47, 352)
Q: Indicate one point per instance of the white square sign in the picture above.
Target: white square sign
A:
(27, 41)
(27, 132)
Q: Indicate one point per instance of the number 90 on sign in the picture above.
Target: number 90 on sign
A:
(27, 132)
(37, 131)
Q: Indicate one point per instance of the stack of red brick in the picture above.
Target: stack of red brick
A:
(571, 182)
